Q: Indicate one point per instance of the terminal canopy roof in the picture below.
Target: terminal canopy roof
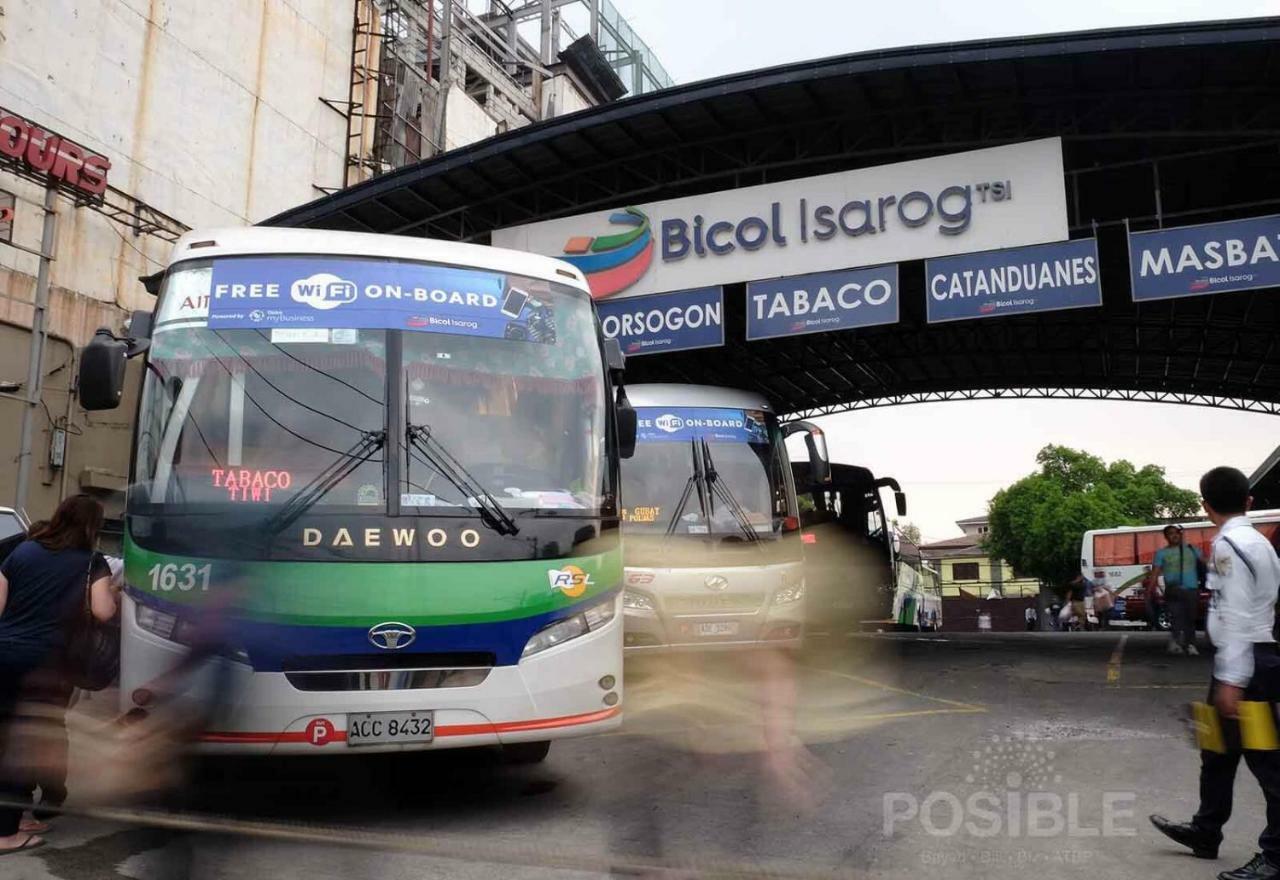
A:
(1170, 125)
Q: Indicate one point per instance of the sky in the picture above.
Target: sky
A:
(952, 457)
(696, 39)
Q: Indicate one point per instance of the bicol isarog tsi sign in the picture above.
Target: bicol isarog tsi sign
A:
(981, 200)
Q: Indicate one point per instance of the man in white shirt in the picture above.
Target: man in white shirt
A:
(1244, 574)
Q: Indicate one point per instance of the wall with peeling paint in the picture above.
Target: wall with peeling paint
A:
(208, 111)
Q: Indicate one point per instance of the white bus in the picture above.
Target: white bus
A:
(1119, 559)
(710, 523)
(392, 465)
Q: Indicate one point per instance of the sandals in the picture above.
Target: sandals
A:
(31, 843)
(33, 826)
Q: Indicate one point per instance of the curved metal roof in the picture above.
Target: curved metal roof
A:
(1165, 125)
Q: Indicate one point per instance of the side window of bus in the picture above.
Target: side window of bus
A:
(1148, 543)
(1118, 549)
(1201, 538)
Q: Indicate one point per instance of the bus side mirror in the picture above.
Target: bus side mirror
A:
(615, 360)
(102, 368)
(816, 442)
(899, 497)
(627, 425)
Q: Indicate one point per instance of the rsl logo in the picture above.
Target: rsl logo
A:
(612, 263)
(570, 580)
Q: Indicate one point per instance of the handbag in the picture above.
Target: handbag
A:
(91, 657)
(1103, 601)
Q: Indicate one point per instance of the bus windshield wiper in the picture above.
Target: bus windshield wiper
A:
(341, 467)
(491, 512)
(716, 487)
(695, 481)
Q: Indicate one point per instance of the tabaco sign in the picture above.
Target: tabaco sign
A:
(35, 151)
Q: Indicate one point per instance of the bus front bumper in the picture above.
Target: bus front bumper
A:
(554, 694)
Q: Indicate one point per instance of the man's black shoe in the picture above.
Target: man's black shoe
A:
(1259, 868)
(1201, 843)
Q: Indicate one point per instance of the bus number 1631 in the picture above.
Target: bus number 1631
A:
(171, 576)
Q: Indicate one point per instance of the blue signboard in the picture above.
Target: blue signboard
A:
(298, 293)
(672, 424)
(1040, 278)
(1210, 258)
(822, 301)
(666, 322)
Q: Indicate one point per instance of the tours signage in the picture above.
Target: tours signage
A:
(37, 151)
(1040, 278)
(980, 200)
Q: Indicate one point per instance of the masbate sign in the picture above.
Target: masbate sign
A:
(980, 200)
(1209, 258)
(1041, 278)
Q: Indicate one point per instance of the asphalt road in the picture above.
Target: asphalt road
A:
(875, 756)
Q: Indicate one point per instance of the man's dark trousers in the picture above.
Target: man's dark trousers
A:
(1218, 771)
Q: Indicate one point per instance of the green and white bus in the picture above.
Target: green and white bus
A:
(392, 464)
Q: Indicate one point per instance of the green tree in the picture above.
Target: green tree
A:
(908, 530)
(1037, 523)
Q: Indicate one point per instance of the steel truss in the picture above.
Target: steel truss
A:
(1271, 408)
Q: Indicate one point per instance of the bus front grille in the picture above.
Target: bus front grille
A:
(387, 672)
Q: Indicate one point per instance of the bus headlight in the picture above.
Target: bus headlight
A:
(570, 628)
(167, 626)
(156, 622)
(792, 591)
(637, 601)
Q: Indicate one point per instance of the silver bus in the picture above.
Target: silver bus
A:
(711, 530)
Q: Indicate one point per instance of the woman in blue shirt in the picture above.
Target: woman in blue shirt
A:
(42, 587)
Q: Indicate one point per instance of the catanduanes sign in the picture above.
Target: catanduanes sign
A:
(1042, 278)
(981, 200)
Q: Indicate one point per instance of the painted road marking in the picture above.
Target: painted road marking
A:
(1117, 657)
(957, 706)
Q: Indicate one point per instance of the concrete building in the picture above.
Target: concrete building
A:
(967, 570)
(134, 120)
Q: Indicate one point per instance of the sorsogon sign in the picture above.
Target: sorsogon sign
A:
(40, 151)
(666, 322)
(980, 200)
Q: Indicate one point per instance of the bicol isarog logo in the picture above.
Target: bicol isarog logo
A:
(323, 291)
(612, 263)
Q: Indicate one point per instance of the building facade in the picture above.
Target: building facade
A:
(135, 120)
(966, 569)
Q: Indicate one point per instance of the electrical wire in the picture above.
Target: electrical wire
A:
(316, 369)
(276, 388)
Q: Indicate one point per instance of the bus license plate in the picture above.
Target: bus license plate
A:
(381, 728)
(719, 628)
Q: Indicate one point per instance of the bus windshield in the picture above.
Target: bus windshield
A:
(261, 416)
(707, 471)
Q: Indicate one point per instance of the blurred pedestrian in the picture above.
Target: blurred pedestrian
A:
(1030, 616)
(1179, 564)
(1244, 575)
(43, 585)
